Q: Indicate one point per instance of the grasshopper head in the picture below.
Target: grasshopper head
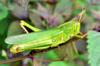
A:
(15, 49)
(73, 26)
(76, 22)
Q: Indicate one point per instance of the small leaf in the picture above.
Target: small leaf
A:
(3, 11)
(51, 55)
(4, 65)
(3, 26)
(14, 29)
(60, 63)
(42, 11)
(35, 19)
(3, 58)
(94, 48)
(19, 8)
(82, 3)
(3, 45)
(76, 11)
(55, 20)
(63, 7)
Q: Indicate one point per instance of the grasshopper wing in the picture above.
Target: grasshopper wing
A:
(32, 37)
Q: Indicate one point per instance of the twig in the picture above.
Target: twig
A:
(23, 57)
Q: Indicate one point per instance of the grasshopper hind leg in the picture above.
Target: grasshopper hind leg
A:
(23, 24)
(42, 47)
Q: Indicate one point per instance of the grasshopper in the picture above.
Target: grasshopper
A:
(39, 39)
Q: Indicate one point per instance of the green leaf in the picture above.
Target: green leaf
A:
(63, 6)
(76, 11)
(58, 63)
(4, 54)
(4, 64)
(3, 11)
(3, 26)
(3, 58)
(35, 19)
(14, 29)
(42, 11)
(61, 63)
(3, 30)
(3, 45)
(82, 3)
(51, 55)
(94, 48)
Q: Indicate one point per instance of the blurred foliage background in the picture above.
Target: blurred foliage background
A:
(45, 14)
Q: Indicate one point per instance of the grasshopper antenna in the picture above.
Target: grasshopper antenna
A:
(80, 15)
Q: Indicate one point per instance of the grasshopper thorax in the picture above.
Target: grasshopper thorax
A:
(71, 27)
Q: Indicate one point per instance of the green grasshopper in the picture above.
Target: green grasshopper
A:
(39, 39)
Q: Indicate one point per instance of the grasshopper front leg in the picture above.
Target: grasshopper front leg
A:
(23, 24)
(81, 35)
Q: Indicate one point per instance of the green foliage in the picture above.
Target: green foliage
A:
(60, 63)
(45, 14)
(3, 11)
(3, 26)
(51, 55)
(14, 29)
(3, 58)
(3, 30)
(94, 48)
(4, 65)
(62, 7)
(82, 3)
